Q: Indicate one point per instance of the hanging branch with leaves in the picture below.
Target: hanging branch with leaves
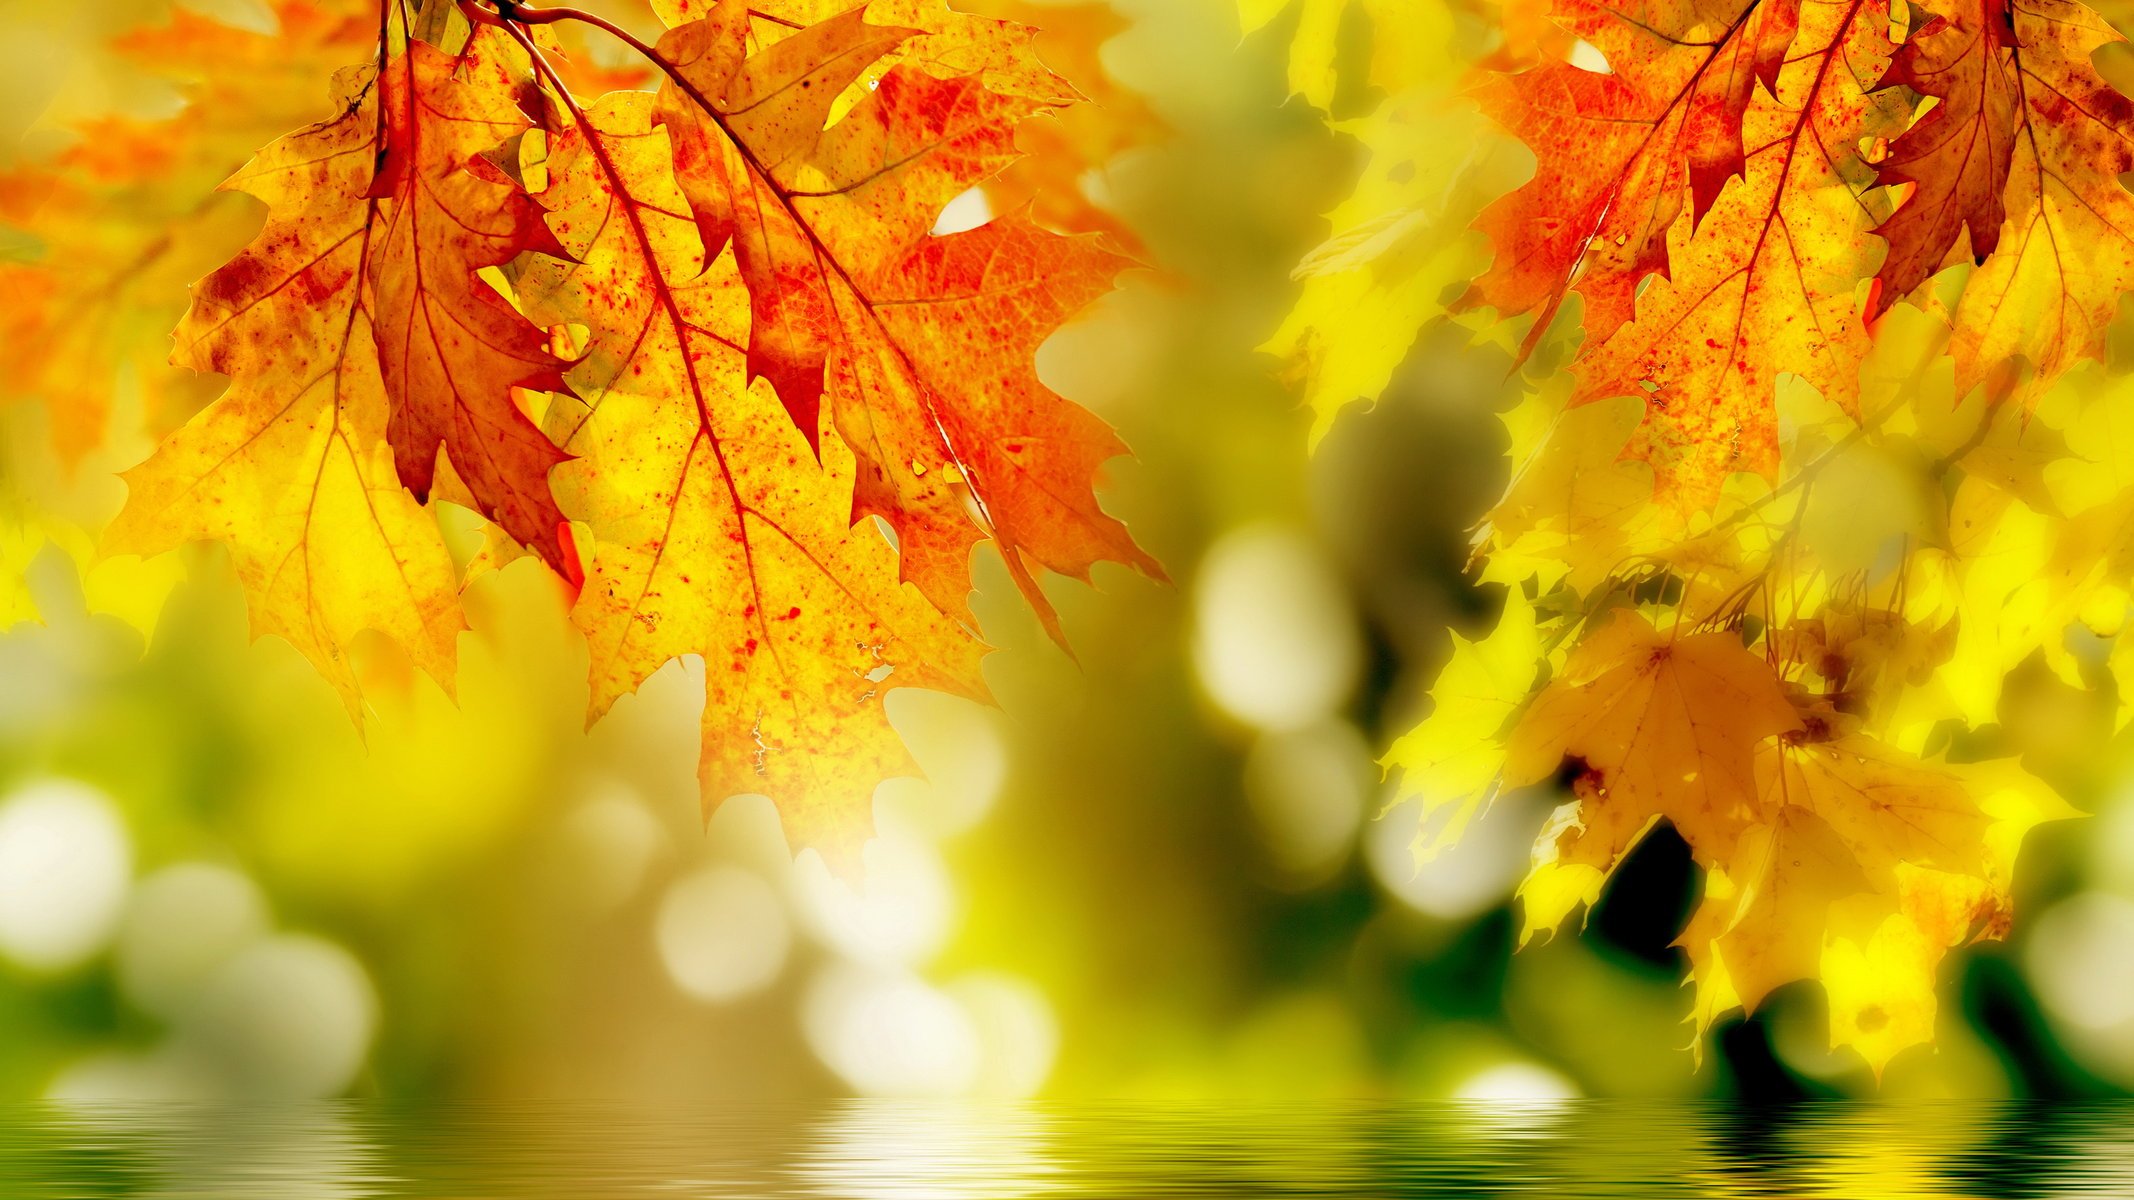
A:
(1806, 470)
(698, 350)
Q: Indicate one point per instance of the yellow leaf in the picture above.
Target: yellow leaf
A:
(291, 466)
(1865, 865)
(1408, 41)
(716, 532)
(1660, 725)
(1452, 759)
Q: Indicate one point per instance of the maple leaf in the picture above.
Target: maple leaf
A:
(1616, 151)
(1854, 566)
(1957, 156)
(942, 42)
(715, 530)
(1574, 507)
(364, 278)
(924, 344)
(1450, 760)
(1063, 174)
(427, 259)
(451, 349)
(1659, 725)
(1391, 261)
(2043, 298)
(1769, 918)
(1407, 42)
(1824, 848)
(1767, 284)
(291, 466)
(1868, 864)
(1398, 245)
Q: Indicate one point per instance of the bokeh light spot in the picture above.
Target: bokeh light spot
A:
(184, 921)
(64, 866)
(2081, 960)
(897, 913)
(1307, 790)
(722, 934)
(888, 1033)
(1274, 640)
(290, 1018)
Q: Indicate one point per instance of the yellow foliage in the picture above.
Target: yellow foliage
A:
(1656, 723)
(1773, 546)
(1449, 760)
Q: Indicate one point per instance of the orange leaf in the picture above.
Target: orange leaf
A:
(2043, 299)
(1663, 727)
(1766, 283)
(1615, 151)
(716, 532)
(927, 343)
(120, 218)
(451, 349)
(1958, 154)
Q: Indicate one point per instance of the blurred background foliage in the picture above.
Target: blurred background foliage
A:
(1158, 872)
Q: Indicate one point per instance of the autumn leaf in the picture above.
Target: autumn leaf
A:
(923, 344)
(1450, 760)
(356, 333)
(1398, 246)
(1766, 284)
(291, 466)
(451, 349)
(715, 530)
(1956, 157)
(1064, 174)
(1393, 258)
(2042, 299)
(1616, 151)
(1658, 725)
(1817, 840)
(1870, 864)
(473, 287)
(1855, 541)
(741, 226)
(1407, 40)
(1725, 304)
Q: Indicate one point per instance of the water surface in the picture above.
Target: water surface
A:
(900, 1151)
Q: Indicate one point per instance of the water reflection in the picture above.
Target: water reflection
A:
(891, 1151)
(901, 1151)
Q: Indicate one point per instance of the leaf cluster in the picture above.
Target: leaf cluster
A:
(1822, 471)
(693, 345)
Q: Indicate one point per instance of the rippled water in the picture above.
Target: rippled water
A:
(888, 1151)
